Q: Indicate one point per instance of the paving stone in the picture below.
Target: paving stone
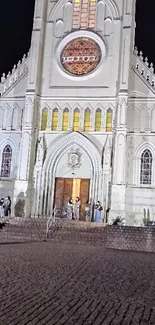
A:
(66, 284)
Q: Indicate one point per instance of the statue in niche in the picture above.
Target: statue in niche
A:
(131, 146)
(40, 151)
(107, 153)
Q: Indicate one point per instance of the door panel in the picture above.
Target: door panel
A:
(59, 190)
(68, 185)
(84, 196)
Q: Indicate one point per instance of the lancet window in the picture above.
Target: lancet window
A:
(146, 167)
(6, 161)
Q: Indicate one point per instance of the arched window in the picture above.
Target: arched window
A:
(87, 120)
(146, 167)
(44, 120)
(55, 119)
(6, 161)
(98, 120)
(65, 120)
(109, 120)
(76, 120)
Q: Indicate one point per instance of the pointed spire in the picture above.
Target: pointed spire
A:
(151, 67)
(146, 62)
(135, 50)
(3, 78)
(141, 55)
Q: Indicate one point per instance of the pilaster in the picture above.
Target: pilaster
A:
(92, 120)
(49, 119)
(81, 121)
(70, 122)
(60, 118)
(103, 120)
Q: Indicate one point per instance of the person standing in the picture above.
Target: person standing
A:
(87, 210)
(70, 209)
(1, 207)
(98, 209)
(7, 206)
(77, 208)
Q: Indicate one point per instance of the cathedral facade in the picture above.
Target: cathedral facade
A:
(77, 114)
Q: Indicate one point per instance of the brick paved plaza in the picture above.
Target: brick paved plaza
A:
(47, 283)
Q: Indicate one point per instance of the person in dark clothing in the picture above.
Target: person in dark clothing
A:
(7, 206)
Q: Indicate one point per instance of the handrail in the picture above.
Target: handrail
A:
(51, 218)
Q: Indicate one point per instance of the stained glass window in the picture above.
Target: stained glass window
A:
(65, 119)
(55, 119)
(81, 56)
(44, 120)
(87, 120)
(98, 120)
(84, 14)
(109, 120)
(146, 167)
(76, 120)
(6, 161)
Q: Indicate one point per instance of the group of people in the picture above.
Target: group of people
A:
(5, 207)
(73, 210)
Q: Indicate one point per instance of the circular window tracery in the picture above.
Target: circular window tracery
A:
(81, 56)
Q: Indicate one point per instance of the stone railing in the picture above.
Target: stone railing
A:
(142, 67)
(18, 71)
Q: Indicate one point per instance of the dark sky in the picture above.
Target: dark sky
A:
(16, 26)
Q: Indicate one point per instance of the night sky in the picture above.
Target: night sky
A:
(16, 26)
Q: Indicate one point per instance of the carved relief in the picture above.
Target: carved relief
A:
(74, 158)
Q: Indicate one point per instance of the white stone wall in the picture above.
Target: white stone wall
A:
(123, 82)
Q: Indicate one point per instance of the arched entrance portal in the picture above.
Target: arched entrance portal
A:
(66, 188)
(72, 168)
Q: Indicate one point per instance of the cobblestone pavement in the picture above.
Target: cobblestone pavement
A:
(56, 284)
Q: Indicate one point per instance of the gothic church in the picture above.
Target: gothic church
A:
(77, 114)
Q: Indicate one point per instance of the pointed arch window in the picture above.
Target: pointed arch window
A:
(65, 119)
(109, 120)
(87, 120)
(146, 167)
(6, 161)
(98, 120)
(55, 119)
(44, 120)
(76, 120)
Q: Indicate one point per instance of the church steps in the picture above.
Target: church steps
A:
(63, 231)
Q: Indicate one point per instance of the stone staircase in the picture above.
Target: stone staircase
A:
(61, 231)
(23, 230)
(80, 232)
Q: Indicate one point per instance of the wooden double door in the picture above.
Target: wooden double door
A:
(66, 188)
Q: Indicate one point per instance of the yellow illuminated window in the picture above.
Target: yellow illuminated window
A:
(76, 120)
(44, 120)
(55, 120)
(87, 120)
(98, 120)
(65, 120)
(109, 120)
